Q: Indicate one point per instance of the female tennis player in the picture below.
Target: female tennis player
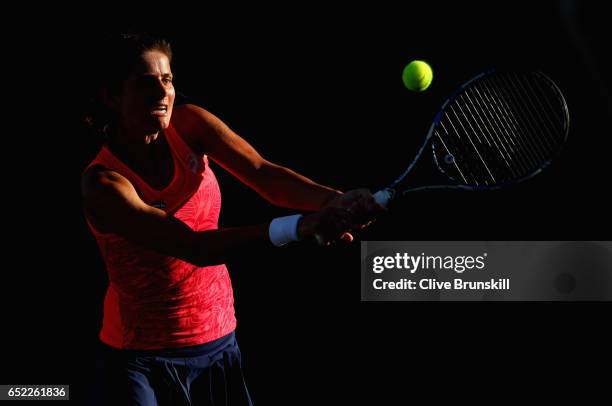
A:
(152, 202)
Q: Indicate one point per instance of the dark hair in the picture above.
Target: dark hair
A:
(120, 55)
(110, 64)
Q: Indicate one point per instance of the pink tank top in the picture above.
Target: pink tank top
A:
(155, 301)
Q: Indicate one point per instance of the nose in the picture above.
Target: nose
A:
(159, 90)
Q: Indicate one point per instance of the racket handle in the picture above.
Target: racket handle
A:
(320, 240)
(383, 197)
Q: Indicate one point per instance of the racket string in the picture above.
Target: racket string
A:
(501, 128)
(534, 123)
(526, 151)
(492, 119)
(454, 160)
(560, 114)
(493, 129)
(458, 153)
(462, 152)
(473, 145)
(524, 124)
(504, 151)
(531, 100)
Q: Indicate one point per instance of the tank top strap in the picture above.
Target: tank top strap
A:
(185, 153)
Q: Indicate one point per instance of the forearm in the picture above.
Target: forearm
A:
(169, 236)
(215, 247)
(286, 188)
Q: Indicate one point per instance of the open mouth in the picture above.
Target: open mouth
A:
(159, 109)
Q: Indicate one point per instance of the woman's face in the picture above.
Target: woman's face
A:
(146, 99)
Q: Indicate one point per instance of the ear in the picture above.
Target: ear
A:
(109, 99)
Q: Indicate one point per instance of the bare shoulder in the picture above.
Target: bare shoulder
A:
(108, 198)
(191, 114)
(198, 127)
(102, 187)
(99, 179)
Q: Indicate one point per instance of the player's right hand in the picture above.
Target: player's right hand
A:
(327, 225)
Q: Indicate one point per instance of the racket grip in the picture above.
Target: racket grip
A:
(383, 197)
(319, 239)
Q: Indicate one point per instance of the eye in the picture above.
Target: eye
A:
(167, 81)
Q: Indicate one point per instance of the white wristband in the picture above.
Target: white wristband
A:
(383, 197)
(283, 230)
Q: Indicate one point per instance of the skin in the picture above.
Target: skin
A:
(112, 204)
(136, 140)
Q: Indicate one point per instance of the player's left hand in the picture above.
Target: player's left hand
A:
(360, 204)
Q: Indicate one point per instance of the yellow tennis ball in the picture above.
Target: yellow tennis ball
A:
(417, 76)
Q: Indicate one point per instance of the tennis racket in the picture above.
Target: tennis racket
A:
(497, 129)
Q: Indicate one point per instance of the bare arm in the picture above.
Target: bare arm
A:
(112, 205)
(279, 185)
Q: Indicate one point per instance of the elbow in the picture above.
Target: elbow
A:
(202, 261)
(202, 257)
(199, 261)
(190, 250)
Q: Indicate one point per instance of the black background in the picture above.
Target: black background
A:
(317, 89)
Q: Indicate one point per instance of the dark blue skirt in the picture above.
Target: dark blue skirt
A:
(207, 374)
